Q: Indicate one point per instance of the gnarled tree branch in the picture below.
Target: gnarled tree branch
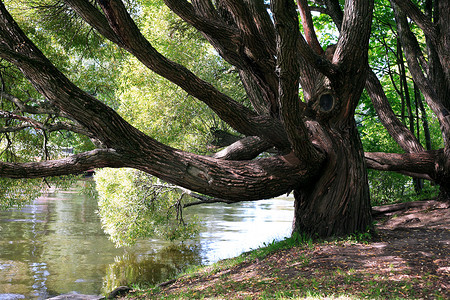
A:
(424, 162)
(247, 148)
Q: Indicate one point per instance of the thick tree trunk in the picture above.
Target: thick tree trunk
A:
(338, 203)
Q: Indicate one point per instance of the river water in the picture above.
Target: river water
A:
(56, 245)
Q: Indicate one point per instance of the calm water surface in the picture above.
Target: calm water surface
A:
(57, 245)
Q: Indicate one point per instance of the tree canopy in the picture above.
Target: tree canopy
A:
(313, 93)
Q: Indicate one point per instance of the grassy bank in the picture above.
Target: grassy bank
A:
(408, 258)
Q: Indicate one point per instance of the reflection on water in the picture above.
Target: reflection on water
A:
(233, 229)
(164, 264)
(56, 245)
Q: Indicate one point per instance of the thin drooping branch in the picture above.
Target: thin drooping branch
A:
(201, 199)
(6, 129)
(408, 41)
(74, 164)
(159, 188)
(26, 121)
(94, 17)
(39, 107)
(31, 123)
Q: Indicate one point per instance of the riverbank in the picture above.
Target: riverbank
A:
(408, 258)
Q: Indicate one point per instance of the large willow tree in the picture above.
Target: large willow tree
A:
(302, 103)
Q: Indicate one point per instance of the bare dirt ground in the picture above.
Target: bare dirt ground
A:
(409, 258)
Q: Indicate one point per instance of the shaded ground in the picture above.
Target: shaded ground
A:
(408, 258)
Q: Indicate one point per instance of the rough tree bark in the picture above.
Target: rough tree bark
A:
(338, 202)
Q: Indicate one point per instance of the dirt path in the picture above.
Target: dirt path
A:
(409, 259)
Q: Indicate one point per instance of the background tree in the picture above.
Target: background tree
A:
(300, 99)
(384, 56)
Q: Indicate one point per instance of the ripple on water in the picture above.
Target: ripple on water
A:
(11, 296)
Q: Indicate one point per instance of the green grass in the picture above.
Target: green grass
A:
(259, 253)
(338, 285)
(268, 248)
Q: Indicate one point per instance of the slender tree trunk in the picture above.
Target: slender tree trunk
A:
(417, 182)
(338, 203)
(404, 84)
(426, 128)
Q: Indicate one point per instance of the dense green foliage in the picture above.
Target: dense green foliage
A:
(160, 108)
(77, 58)
(134, 205)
